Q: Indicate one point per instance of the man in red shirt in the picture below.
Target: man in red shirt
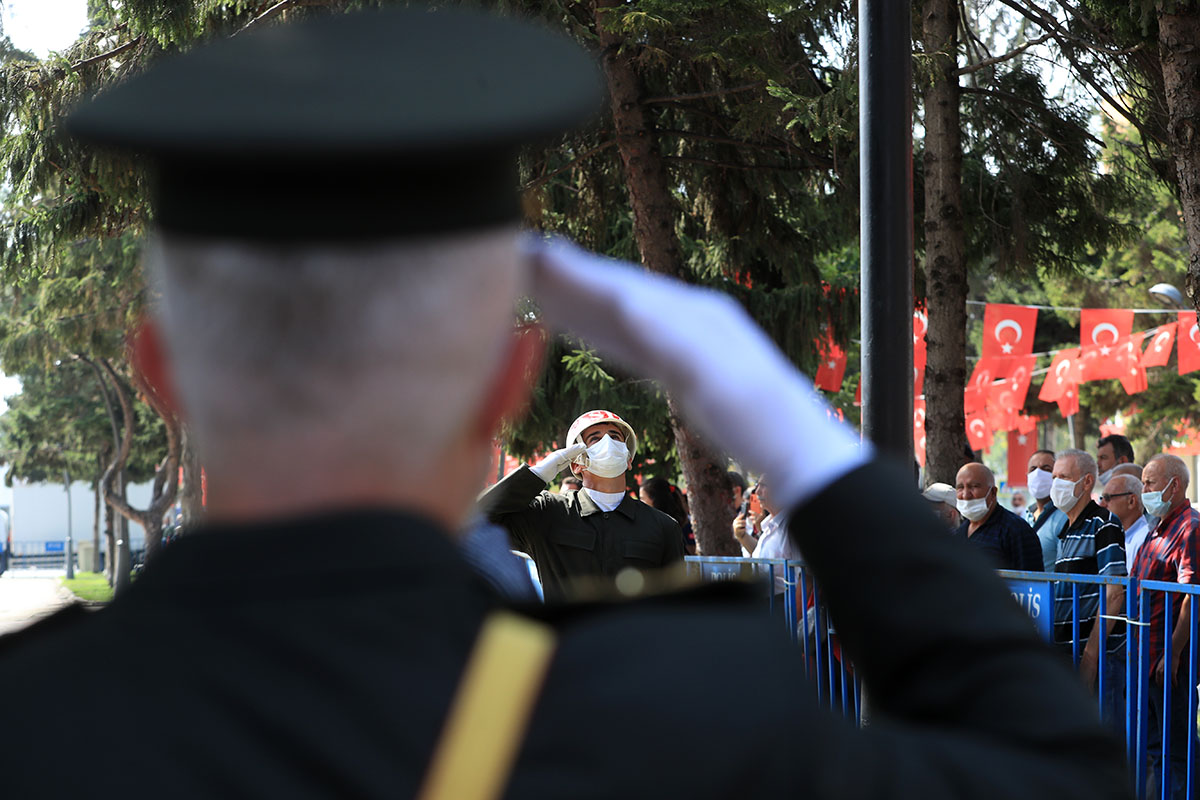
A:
(1170, 553)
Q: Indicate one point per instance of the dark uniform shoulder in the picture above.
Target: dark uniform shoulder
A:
(63, 621)
(713, 595)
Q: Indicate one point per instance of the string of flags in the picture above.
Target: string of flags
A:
(996, 392)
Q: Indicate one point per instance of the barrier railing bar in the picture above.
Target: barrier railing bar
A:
(1102, 652)
(1143, 710)
(804, 635)
(1164, 766)
(1074, 623)
(1192, 680)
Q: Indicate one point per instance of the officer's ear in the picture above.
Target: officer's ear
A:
(149, 357)
(508, 395)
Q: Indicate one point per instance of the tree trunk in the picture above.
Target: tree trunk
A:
(655, 213)
(97, 564)
(166, 479)
(110, 543)
(192, 493)
(702, 469)
(1179, 53)
(945, 259)
(124, 552)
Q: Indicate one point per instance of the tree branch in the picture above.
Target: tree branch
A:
(279, 8)
(725, 165)
(675, 98)
(116, 51)
(538, 181)
(989, 62)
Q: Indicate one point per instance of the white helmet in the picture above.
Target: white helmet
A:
(585, 421)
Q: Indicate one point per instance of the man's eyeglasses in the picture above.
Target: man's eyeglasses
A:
(1108, 498)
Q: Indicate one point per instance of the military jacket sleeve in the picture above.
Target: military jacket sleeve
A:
(517, 503)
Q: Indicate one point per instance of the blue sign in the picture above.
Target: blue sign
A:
(709, 571)
(1037, 598)
(55, 547)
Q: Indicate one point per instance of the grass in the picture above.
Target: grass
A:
(90, 586)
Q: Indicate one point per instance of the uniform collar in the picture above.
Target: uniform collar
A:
(587, 506)
(306, 554)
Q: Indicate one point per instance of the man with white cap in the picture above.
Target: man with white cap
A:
(597, 531)
(345, 367)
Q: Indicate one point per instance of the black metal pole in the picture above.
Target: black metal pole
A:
(885, 144)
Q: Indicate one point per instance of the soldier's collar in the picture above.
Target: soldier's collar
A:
(587, 506)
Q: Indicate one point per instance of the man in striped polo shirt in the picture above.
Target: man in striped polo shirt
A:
(1091, 543)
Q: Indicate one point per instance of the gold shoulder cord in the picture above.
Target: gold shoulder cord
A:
(486, 725)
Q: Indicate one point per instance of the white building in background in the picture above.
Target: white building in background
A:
(39, 514)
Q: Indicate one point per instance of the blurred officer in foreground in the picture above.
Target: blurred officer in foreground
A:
(344, 366)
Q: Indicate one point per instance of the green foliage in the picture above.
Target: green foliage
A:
(59, 422)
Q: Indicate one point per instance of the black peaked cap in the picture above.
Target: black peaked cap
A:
(354, 126)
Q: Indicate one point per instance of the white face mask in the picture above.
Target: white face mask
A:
(1154, 504)
(1039, 483)
(1062, 492)
(607, 458)
(973, 510)
(1104, 476)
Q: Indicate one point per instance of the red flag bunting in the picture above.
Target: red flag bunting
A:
(1068, 403)
(978, 386)
(920, 354)
(1059, 377)
(1158, 350)
(858, 394)
(833, 367)
(1100, 329)
(919, 430)
(978, 434)
(1133, 374)
(1021, 447)
(1026, 424)
(1188, 347)
(1007, 331)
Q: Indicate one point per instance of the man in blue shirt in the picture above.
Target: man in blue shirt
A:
(1045, 519)
(1004, 536)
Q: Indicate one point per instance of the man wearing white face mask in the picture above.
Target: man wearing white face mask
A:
(991, 527)
(1046, 520)
(1092, 543)
(597, 531)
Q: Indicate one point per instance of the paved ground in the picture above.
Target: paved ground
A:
(27, 595)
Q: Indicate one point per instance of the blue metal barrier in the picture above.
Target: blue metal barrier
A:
(1128, 670)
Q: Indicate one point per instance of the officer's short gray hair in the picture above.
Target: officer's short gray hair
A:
(1084, 463)
(383, 349)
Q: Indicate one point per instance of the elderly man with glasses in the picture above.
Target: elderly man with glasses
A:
(1123, 498)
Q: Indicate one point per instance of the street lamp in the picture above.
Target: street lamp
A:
(1169, 296)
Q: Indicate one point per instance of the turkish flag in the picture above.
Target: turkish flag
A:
(1188, 336)
(1021, 447)
(858, 394)
(1100, 329)
(978, 386)
(1019, 378)
(919, 430)
(833, 367)
(1133, 374)
(1158, 351)
(1068, 403)
(1060, 376)
(978, 434)
(1026, 424)
(1001, 419)
(1007, 331)
(920, 354)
